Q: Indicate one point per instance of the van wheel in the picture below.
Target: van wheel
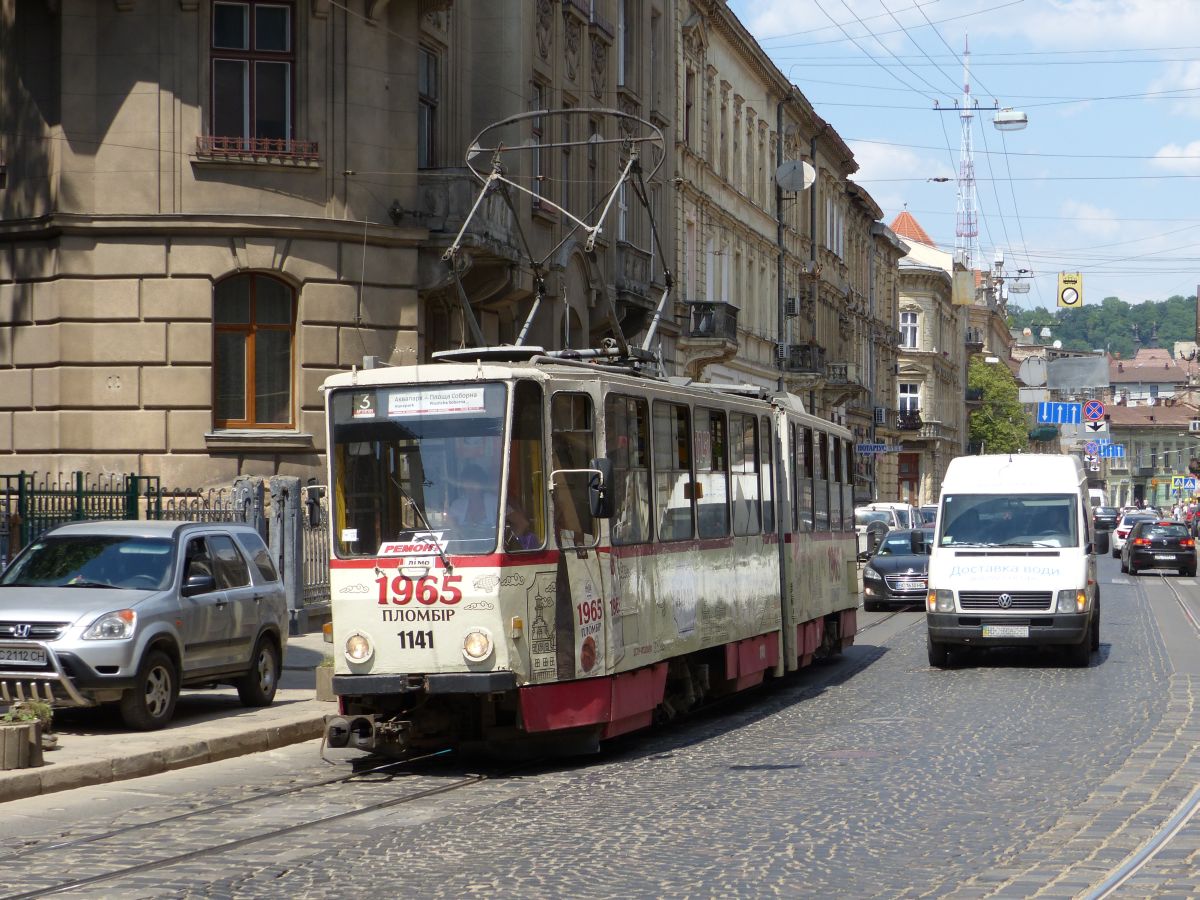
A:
(150, 703)
(939, 654)
(1095, 631)
(1079, 655)
(257, 687)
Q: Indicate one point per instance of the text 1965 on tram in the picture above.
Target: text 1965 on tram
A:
(545, 551)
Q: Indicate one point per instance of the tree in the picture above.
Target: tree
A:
(1000, 425)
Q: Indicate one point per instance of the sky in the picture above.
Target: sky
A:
(1104, 181)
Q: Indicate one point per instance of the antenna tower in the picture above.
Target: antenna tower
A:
(966, 228)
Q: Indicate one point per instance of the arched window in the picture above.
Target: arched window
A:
(253, 324)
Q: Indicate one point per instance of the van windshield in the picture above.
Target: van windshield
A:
(1021, 520)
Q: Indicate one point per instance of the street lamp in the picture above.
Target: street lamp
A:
(1009, 119)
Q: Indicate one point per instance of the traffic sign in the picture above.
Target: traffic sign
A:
(868, 449)
(1093, 410)
(1112, 451)
(1095, 427)
(1095, 467)
(1091, 447)
(1058, 414)
(1070, 290)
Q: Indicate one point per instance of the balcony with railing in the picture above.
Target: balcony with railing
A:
(974, 340)
(257, 150)
(804, 359)
(909, 420)
(709, 336)
(974, 397)
(843, 380)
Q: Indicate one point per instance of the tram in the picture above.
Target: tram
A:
(538, 551)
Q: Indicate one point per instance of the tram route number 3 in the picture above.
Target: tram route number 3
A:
(426, 590)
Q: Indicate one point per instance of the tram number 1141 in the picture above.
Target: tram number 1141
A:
(415, 640)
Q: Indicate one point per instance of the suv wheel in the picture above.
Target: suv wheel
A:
(257, 687)
(150, 703)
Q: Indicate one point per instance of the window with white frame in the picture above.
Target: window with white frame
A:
(910, 397)
(908, 330)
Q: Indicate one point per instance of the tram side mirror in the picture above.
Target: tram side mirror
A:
(600, 489)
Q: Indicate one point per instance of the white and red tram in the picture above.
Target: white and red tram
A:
(553, 552)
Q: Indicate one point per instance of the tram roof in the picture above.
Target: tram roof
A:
(543, 368)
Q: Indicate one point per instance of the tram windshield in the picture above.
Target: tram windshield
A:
(418, 463)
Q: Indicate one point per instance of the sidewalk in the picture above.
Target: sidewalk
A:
(94, 747)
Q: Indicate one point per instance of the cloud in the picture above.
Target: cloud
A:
(1090, 220)
(1092, 23)
(1179, 77)
(879, 163)
(1174, 158)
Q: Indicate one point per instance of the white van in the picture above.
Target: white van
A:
(1013, 560)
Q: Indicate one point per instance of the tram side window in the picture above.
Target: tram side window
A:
(627, 437)
(848, 489)
(834, 446)
(765, 450)
(820, 481)
(743, 464)
(803, 480)
(525, 511)
(572, 446)
(712, 479)
(673, 471)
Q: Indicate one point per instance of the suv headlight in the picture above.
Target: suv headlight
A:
(940, 601)
(113, 626)
(1072, 601)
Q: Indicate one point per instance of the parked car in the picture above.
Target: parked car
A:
(1159, 544)
(1104, 518)
(898, 572)
(906, 513)
(130, 612)
(1121, 532)
(928, 514)
(870, 525)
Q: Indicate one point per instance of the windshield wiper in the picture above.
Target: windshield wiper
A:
(417, 509)
(89, 584)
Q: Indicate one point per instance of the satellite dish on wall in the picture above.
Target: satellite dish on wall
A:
(1032, 371)
(795, 175)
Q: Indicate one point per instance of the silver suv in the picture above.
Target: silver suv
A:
(129, 612)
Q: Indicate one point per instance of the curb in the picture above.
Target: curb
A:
(51, 778)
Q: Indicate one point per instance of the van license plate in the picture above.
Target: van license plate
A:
(1006, 631)
(22, 657)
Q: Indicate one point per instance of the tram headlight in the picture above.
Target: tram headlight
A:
(940, 601)
(477, 645)
(1071, 601)
(359, 648)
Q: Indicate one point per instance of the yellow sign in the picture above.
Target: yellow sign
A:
(1070, 290)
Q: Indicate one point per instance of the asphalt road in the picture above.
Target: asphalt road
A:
(871, 776)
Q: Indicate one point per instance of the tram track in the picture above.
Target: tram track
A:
(1179, 819)
(13, 860)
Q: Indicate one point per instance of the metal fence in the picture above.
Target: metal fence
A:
(30, 505)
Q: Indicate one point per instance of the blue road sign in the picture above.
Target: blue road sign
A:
(868, 449)
(1058, 414)
(1112, 451)
(1189, 484)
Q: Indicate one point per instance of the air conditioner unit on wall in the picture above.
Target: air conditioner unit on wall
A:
(881, 416)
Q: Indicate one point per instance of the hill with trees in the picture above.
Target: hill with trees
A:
(1114, 325)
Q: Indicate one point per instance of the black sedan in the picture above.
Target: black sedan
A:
(1105, 517)
(898, 573)
(1159, 544)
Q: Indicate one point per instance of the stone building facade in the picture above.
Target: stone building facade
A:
(747, 246)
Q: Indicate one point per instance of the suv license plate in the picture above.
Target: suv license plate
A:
(1006, 631)
(22, 656)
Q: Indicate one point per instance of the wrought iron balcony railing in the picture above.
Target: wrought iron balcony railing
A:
(712, 320)
(256, 148)
(909, 420)
(806, 359)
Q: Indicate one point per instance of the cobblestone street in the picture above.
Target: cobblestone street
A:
(874, 776)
